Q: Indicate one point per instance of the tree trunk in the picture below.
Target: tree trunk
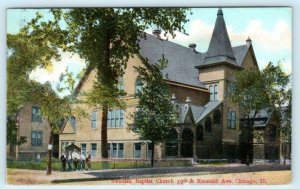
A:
(104, 132)
(152, 154)
(104, 153)
(49, 154)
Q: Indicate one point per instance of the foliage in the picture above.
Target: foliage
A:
(249, 91)
(53, 107)
(256, 90)
(11, 133)
(36, 45)
(155, 113)
(106, 38)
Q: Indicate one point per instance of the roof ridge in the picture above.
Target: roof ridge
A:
(177, 44)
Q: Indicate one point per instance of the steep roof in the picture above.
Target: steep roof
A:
(198, 112)
(208, 108)
(184, 108)
(181, 60)
(240, 53)
(219, 49)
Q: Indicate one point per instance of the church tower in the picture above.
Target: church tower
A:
(216, 73)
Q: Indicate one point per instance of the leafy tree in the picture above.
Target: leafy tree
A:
(106, 38)
(53, 109)
(11, 134)
(256, 90)
(155, 115)
(36, 45)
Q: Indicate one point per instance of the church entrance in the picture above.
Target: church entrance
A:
(187, 143)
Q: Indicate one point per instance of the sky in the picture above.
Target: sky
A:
(270, 30)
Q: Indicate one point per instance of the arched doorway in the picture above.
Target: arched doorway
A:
(172, 143)
(199, 133)
(187, 143)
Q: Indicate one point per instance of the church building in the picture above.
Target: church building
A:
(209, 124)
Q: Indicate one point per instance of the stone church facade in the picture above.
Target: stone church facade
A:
(209, 124)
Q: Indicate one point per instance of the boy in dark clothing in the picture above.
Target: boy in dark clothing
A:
(63, 159)
(88, 161)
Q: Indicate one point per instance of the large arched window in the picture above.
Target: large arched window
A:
(172, 143)
(217, 117)
(138, 85)
(199, 133)
(208, 125)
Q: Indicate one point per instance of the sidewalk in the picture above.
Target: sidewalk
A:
(113, 174)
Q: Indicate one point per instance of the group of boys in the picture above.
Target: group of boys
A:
(78, 160)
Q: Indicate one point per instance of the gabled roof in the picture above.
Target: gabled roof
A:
(219, 49)
(208, 108)
(198, 112)
(185, 108)
(181, 60)
(240, 53)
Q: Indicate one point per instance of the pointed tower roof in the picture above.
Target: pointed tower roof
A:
(219, 49)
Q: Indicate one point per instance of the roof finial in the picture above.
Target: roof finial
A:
(220, 12)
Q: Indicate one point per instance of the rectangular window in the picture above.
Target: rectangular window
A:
(231, 88)
(83, 149)
(108, 149)
(115, 150)
(36, 138)
(93, 149)
(36, 114)
(149, 150)
(94, 119)
(231, 119)
(137, 150)
(115, 119)
(120, 150)
(108, 118)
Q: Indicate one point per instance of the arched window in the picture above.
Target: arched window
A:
(187, 143)
(138, 85)
(208, 125)
(172, 143)
(199, 133)
(216, 92)
(211, 92)
(120, 84)
(217, 117)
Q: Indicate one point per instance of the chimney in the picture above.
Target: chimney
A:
(192, 46)
(157, 33)
(248, 42)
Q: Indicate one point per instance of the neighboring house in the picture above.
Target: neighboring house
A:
(209, 126)
(35, 129)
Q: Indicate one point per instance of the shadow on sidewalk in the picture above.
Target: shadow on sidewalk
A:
(150, 172)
